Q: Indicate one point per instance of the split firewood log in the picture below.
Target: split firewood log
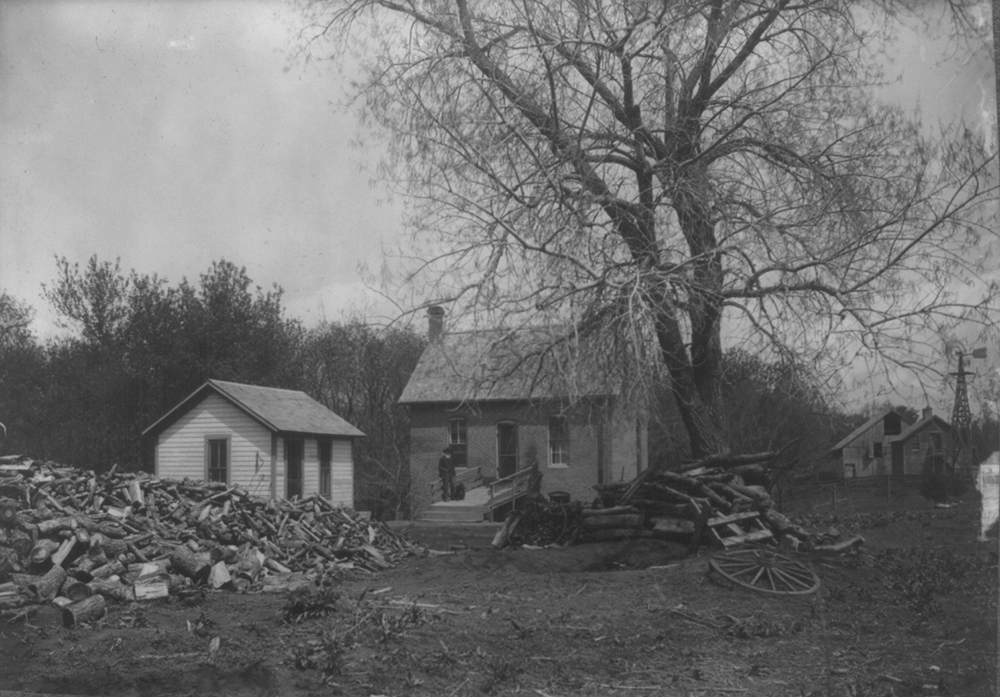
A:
(89, 609)
(112, 587)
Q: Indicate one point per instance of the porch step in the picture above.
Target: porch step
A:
(454, 514)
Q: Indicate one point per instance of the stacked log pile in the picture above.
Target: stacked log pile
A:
(723, 497)
(76, 538)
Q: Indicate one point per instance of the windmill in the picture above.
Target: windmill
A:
(963, 459)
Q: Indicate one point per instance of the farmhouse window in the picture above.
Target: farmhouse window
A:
(325, 448)
(217, 460)
(915, 444)
(459, 441)
(558, 441)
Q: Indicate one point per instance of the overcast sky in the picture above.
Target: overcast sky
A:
(171, 134)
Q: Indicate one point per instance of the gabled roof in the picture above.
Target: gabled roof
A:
(289, 411)
(919, 426)
(530, 363)
(856, 433)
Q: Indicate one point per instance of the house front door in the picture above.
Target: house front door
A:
(294, 455)
(506, 449)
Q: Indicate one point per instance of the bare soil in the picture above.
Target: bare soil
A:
(914, 613)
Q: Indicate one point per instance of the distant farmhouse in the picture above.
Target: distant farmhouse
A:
(275, 443)
(891, 444)
(505, 402)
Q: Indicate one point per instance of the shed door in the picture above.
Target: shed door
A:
(506, 449)
(897, 458)
(294, 455)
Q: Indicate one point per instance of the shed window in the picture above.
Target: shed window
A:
(458, 440)
(876, 450)
(218, 460)
(558, 441)
(936, 440)
(325, 449)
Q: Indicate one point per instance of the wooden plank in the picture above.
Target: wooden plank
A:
(748, 537)
(726, 519)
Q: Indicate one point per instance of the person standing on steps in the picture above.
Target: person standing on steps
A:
(446, 471)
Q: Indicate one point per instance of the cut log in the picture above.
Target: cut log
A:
(842, 546)
(151, 587)
(8, 513)
(612, 521)
(219, 575)
(89, 609)
(59, 556)
(609, 534)
(112, 568)
(616, 510)
(194, 565)
(678, 526)
(76, 591)
(112, 588)
(48, 586)
(42, 551)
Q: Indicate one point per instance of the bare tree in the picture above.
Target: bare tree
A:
(687, 172)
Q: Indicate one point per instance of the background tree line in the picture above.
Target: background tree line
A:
(139, 344)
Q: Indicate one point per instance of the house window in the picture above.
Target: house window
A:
(876, 450)
(325, 448)
(218, 460)
(936, 440)
(458, 440)
(558, 441)
(294, 455)
(915, 444)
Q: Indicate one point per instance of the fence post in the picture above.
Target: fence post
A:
(833, 498)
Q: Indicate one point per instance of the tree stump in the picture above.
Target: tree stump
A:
(91, 608)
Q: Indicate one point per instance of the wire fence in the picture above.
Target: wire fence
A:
(857, 495)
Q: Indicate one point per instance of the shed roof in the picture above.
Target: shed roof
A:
(276, 409)
(919, 426)
(856, 433)
(529, 363)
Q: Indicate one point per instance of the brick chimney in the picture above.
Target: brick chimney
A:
(927, 413)
(435, 322)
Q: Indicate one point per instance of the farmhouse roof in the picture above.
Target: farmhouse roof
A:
(523, 364)
(289, 411)
(856, 433)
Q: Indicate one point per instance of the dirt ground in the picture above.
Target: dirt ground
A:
(913, 614)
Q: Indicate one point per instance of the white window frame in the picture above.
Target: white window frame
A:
(915, 444)
(559, 459)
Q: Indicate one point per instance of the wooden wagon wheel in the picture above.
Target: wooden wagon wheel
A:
(763, 569)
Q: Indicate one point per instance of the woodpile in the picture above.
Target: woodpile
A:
(723, 501)
(70, 536)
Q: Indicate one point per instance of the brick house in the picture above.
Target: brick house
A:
(506, 401)
(890, 443)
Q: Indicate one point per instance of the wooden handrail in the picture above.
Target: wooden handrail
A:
(517, 481)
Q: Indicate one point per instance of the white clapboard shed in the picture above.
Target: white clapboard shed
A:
(274, 443)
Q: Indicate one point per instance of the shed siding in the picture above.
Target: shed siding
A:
(180, 450)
